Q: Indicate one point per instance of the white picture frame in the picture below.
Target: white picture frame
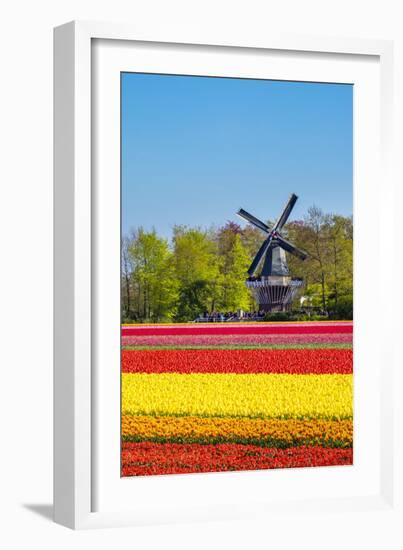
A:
(87, 491)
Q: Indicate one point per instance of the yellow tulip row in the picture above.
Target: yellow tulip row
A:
(326, 396)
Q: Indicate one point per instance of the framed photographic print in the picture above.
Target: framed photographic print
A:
(236, 342)
(220, 226)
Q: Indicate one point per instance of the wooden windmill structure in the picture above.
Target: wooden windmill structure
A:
(274, 289)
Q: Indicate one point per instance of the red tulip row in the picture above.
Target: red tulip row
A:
(287, 361)
(261, 328)
(148, 458)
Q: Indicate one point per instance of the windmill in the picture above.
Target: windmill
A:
(274, 289)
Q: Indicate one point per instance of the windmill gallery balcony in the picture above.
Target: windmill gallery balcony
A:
(274, 293)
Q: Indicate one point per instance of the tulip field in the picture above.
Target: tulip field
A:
(228, 397)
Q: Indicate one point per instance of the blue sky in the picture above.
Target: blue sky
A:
(195, 149)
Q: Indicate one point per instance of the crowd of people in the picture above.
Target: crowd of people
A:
(223, 317)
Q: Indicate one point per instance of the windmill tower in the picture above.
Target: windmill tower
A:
(274, 289)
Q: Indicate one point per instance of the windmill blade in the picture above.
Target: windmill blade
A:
(254, 221)
(261, 252)
(289, 247)
(286, 212)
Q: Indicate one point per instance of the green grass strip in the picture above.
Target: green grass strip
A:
(243, 346)
(261, 442)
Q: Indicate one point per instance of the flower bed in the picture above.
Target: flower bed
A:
(290, 361)
(148, 458)
(259, 431)
(209, 340)
(222, 328)
(253, 395)
(249, 397)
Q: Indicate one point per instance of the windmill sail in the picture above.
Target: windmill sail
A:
(286, 212)
(258, 258)
(291, 248)
(254, 221)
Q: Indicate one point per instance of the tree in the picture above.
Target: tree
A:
(328, 270)
(252, 239)
(340, 248)
(153, 276)
(311, 237)
(197, 270)
(234, 263)
(126, 270)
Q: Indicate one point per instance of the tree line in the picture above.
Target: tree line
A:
(204, 270)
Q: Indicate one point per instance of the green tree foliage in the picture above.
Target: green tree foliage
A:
(205, 269)
(234, 261)
(197, 270)
(152, 284)
(328, 270)
(252, 239)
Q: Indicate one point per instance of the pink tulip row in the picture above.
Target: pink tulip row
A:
(236, 339)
